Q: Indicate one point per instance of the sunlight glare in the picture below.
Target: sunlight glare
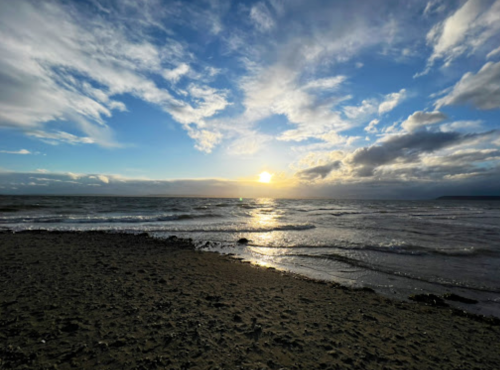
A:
(265, 177)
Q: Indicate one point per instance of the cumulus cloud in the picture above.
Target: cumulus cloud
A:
(21, 151)
(481, 90)
(421, 119)
(422, 157)
(405, 148)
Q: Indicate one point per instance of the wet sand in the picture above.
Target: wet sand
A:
(108, 301)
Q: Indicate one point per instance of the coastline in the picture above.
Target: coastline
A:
(99, 300)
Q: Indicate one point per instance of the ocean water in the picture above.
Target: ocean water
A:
(397, 248)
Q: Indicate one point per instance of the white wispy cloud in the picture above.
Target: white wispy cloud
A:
(21, 151)
(493, 53)
(371, 128)
(373, 106)
(482, 90)
(175, 74)
(465, 31)
(47, 47)
(468, 126)
(262, 17)
(391, 101)
(57, 137)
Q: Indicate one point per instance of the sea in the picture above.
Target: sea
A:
(398, 248)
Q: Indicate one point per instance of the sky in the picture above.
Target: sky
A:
(341, 99)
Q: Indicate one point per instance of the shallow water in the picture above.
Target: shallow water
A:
(395, 247)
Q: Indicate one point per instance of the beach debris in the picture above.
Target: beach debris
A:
(243, 241)
(429, 299)
(457, 298)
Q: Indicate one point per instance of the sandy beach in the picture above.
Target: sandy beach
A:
(112, 301)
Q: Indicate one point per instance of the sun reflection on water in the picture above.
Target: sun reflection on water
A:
(267, 216)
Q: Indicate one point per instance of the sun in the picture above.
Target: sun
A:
(265, 177)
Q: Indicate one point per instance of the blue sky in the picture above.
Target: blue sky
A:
(341, 99)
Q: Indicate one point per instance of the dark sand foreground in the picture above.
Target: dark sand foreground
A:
(102, 301)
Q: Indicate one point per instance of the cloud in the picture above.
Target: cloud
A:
(370, 107)
(175, 74)
(62, 62)
(421, 119)
(205, 140)
(21, 151)
(391, 101)
(463, 157)
(328, 83)
(367, 108)
(291, 75)
(467, 29)
(434, 6)
(85, 184)
(493, 53)
(461, 126)
(371, 126)
(248, 143)
(406, 148)
(275, 90)
(103, 178)
(420, 161)
(261, 16)
(318, 171)
(57, 137)
(482, 90)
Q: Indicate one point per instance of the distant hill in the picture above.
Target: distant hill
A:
(469, 197)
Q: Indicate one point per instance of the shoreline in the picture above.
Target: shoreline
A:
(106, 300)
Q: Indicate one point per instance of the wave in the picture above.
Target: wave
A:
(159, 228)
(20, 208)
(416, 250)
(101, 219)
(388, 271)
(468, 214)
(410, 250)
(338, 214)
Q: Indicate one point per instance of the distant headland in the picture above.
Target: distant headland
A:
(469, 197)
